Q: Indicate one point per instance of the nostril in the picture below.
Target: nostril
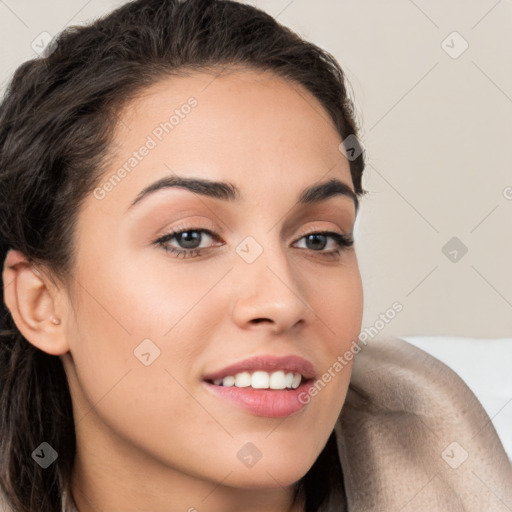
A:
(259, 320)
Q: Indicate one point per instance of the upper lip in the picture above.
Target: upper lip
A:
(268, 363)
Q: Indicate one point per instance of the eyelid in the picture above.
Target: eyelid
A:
(190, 225)
(316, 229)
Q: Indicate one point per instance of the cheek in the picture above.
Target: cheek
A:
(151, 406)
(136, 298)
(132, 311)
(337, 299)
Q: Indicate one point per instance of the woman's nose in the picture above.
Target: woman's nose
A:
(269, 291)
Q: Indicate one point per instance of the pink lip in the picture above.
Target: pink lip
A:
(290, 363)
(271, 403)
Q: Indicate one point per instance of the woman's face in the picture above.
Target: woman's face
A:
(147, 325)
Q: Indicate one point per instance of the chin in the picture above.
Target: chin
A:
(273, 474)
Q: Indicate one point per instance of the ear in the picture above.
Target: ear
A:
(33, 301)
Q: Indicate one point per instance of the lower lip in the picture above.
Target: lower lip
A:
(271, 403)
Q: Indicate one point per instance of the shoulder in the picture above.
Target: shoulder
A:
(413, 436)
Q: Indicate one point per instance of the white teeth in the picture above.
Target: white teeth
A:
(262, 380)
(277, 380)
(242, 380)
(228, 381)
(296, 380)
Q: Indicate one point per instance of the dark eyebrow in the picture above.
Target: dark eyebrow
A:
(229, 192)
(215, 189)
(330, 188)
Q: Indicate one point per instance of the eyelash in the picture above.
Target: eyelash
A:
(342, 241)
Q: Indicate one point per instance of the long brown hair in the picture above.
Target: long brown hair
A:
(57, 119)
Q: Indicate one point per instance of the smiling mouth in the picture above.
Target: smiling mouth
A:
(276, 380)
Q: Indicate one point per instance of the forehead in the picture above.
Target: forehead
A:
(245, 126)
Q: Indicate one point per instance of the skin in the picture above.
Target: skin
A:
(152, 437)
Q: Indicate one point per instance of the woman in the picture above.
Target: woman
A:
(180, 182)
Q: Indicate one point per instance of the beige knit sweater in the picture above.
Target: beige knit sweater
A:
(412, 437)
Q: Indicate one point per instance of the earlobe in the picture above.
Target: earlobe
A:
(32, 300)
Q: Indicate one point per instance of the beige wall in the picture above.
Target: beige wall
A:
(437, 131)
